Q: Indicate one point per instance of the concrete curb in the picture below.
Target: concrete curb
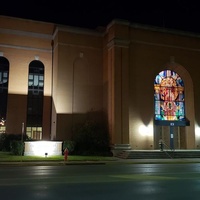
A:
(50, 163)
(118, 161)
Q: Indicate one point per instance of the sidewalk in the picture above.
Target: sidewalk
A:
(117, 161)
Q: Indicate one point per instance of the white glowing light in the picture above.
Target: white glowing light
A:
(2, 122)
(197, 130)
(43, 148)
(146, 130)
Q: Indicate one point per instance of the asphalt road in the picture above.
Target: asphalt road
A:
(101, 182)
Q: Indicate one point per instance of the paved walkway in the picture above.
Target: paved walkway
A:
(117, 161)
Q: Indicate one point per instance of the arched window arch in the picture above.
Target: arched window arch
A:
(169, 97)
(35, 100)
(4, 80)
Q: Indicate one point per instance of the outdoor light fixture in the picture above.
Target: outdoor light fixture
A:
(145, 130)
(197, 130)
(2, 122)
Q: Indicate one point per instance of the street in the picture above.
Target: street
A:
(105, 181)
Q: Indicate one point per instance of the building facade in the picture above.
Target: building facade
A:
(142, 82)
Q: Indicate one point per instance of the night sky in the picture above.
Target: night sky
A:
(174, 14)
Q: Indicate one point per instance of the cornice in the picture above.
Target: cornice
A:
(25, 48)
(25, 33)
(118, 43)
(77, 30)
(164, 30)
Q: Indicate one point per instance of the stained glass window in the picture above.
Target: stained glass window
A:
(169, 96)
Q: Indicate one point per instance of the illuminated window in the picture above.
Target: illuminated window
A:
(169, 96)
(36, 79)
(35, 100)
(34, 133)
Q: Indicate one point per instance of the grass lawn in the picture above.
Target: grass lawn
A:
(8, 157)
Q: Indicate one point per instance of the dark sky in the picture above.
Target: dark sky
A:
(175, 14)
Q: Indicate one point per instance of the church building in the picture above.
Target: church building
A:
(142, 82)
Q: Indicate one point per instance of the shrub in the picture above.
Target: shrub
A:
(69, 145)
(2, 141)
(17, 147)
(91, 139)
(5, 140)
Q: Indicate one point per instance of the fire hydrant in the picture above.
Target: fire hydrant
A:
(66, 152)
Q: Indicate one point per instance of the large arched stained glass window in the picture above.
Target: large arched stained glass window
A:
(169, 96)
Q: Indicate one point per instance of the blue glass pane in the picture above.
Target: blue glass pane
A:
(35, 80)
(30, 76)
(157, 107)
(158, 79)
(5, 74)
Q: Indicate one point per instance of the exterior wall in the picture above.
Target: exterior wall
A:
(54, 86)
(16, 113)
(150, 51)
(117, 44)
(22, 41)
(78, 93)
